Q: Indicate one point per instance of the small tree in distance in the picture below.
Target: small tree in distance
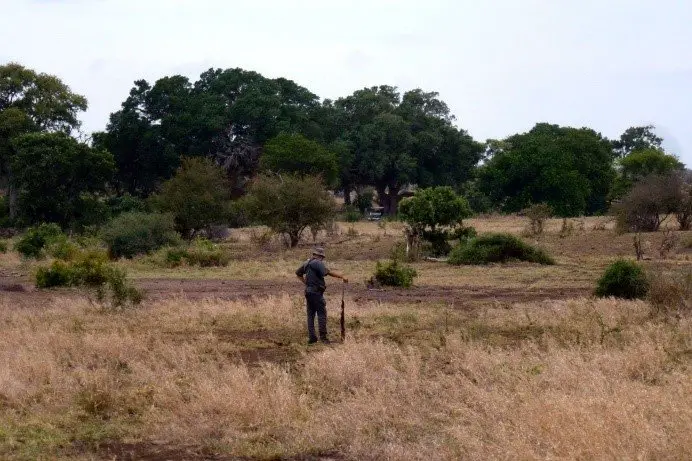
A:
(289, 204)
(198, 196)
(432, 213)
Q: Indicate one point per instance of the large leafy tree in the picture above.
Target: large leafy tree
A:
(568, 168)
(226, 115)
(57, 177)
(395, 140)
(641, 163)
(636, 138)
(32, 102)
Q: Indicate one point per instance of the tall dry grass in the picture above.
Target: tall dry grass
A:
(575, 379)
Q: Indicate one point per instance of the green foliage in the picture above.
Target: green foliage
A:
(294, 153)
(33, 242)
(125, 203)
(290, 204)
(3, 246)
(135, 233)
(394, 274)
(642, 163)
(352, 214)
(569, 169)
(636, 138)
(198, 196)
(62, 248)
(497, 248)
(433, 213)
(56, 176)
(201, 252)
(92, 270)
(364, 199)
(5, 220)
(623, 279)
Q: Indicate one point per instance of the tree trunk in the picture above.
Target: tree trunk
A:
(388, 200)
(12, 201)
(347, 194)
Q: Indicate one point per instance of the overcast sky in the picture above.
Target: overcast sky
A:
(501, 65)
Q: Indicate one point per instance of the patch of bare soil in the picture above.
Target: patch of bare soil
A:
(459, 295)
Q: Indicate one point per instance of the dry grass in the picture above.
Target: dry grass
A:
(559, 379)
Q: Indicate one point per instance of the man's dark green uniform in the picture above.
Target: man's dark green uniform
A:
(314, 272)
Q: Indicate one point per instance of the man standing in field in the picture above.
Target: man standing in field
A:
(312, 273)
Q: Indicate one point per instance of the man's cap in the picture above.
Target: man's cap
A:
(319, 251)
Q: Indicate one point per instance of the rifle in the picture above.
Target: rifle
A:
(343, 320)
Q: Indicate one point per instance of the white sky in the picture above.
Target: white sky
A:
(501, 65)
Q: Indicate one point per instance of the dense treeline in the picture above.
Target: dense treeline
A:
(242, 124)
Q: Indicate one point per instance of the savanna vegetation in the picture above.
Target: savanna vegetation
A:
(528, 298)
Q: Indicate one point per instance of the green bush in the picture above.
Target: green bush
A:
(623, 279)
(497, 248)
(352, 214)
(33, 242)
(394, 274)
(92, 270)
(201, 252)
(364, 199)
(3, 246)
(135, 233)
(63, 248)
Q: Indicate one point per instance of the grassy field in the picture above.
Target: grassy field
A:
(494, 362)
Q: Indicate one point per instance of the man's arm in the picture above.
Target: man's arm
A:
(300, 273)
(338, 275)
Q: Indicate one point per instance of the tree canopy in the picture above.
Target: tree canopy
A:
(294, 153)
(570, 169)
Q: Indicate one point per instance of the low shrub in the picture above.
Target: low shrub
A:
(3, 246)
(623, 279)
(352, 214)
(33, 242)
(394, 274)
(537, 214)
(63, 249)
(201, 252)
(136, 233)
(670, 293)
(497, 248)
(92, 270)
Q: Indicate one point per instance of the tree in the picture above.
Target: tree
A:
(294, 153)
(56, 177)
(636, 138)
(394, 141)
(648, 204)
(641, 163)
(289, 204)
(570, 169)
(198, 196)
(32, 102)
(432, 213)
(226, 115)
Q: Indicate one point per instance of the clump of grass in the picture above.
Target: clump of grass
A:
(670, 293)
(90, 269)
(623, 279)
(497, 248)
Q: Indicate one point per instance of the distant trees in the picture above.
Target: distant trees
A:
(57, 179)
(567, 168)
(294, 153)
(636, 138)
(31, 102)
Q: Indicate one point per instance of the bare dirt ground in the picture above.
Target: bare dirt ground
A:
(459, 296)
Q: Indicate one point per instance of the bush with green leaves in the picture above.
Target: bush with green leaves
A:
(497, 248)
(36, 239)
(91, 269)
(434, 214)
(3, 246)
(364, 199)
(394, 274)
(201, 252)
(136, 233)
(352, 214)
(623, 279)
(537, 213)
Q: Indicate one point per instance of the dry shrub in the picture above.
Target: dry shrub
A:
(671, 293)
(669, 243)
(617, 381)
(537, 215)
